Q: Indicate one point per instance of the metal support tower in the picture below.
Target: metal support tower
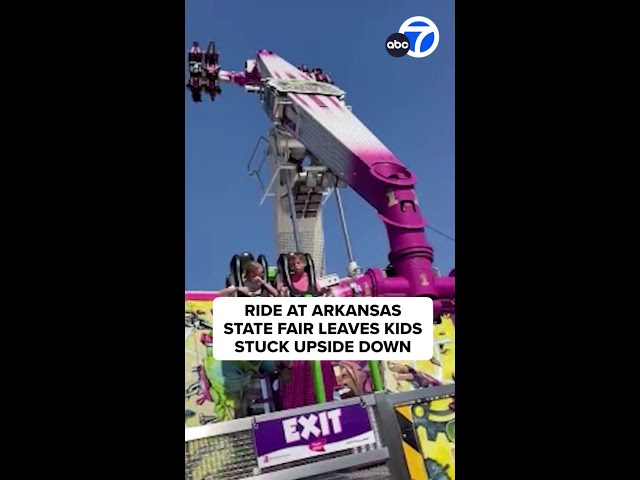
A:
(300, 188)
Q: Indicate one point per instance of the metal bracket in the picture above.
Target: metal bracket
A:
(256, 171)
(280, 158)
(330, 280)
(267, 192)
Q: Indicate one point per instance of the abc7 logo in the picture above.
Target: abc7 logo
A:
(397, 45)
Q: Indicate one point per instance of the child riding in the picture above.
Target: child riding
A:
(254, 284)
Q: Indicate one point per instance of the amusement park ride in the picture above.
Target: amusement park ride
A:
(315, 147)
(310, 120)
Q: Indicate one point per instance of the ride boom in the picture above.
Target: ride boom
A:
(316, 115)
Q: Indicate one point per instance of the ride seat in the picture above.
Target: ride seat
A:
(238, 265)
(195, 56)
(283, 267)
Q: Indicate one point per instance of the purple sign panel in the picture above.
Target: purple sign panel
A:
(289, 439)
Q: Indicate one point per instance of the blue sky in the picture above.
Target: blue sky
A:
(408, 103)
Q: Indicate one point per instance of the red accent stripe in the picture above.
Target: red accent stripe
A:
(300, 98)
(317, 100)
(335, 102)
(299, 74)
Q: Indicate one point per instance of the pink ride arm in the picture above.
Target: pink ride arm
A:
(362, 287)
(239, 78)
(340, 141)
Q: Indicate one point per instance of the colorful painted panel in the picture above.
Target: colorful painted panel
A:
(409, 375)
(217, 391)
(353, 378)
(204, 401)
(429, 438)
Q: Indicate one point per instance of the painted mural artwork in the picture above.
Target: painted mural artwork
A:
(429, 438)
(411, 375)
(215, 391)
(218, 391)
(353, 378)
(435, 425)
(205, 398)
